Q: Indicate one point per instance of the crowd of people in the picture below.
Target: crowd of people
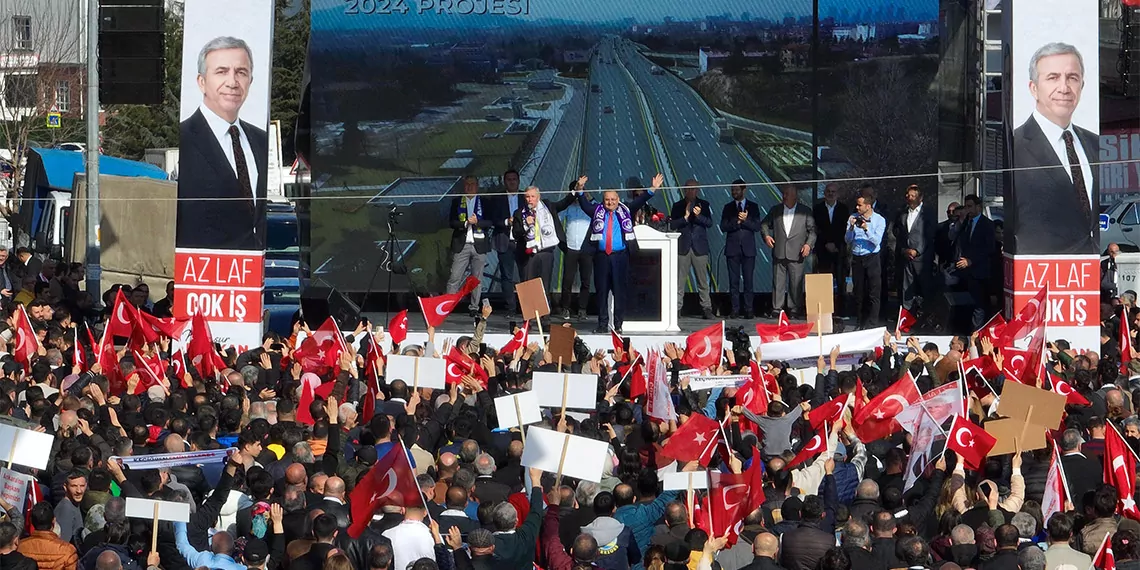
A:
(308, 482)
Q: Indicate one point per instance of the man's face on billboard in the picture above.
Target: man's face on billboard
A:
(225, 83)
(1058, 87)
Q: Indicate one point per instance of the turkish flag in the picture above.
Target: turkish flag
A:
(1030, 318)
(906, 321)
(1120, 471)
(178, 367)
(993, 330)
(373, 360)
(169, 327)
(694, 440)
(391, 481)
(1053, 500)
(26, 343)
(147, 375)
(308, 394)
(782, 330)
(890, 402)
(814, 446)
(108, 363)
(860, 395)
(1104, 558)
(703, 348)
(733, 496)
(830, 412)
(460, 365)
(518, 340)
(1016, 364)
(1059, 386)
(970, 442)
(638, 384)
(753, 396)
(200, 349)
(121, 322)
(436, 309)
(1125, 343)
(321, 350)
(618, 343)
(398, 327)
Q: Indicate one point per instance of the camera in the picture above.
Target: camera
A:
(860, 221)
(394, 214)
(741, 345)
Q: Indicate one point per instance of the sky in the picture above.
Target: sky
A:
(332, 13)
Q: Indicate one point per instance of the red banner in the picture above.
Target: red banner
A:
(1072, 310)
(226, 288)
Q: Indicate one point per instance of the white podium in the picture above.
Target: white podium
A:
(652, 288)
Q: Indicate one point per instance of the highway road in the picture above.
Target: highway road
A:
(555, 170)
(678, 109)
(617, 144)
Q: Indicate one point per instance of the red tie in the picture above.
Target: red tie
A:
(609, 234)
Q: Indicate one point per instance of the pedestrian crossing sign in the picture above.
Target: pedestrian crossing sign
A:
(54, 120)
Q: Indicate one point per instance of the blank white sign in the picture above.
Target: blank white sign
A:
(584, 457)
(167, 510)
(25, 447)
(527, 407)
(680, 481)
(582, 390)
(432, 373)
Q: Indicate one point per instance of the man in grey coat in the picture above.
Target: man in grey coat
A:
(789, 229)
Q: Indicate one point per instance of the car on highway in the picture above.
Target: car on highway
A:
(688, 136)
(492, 117)
(608, 109)
(595, 88)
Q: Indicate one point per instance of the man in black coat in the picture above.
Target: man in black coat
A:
(507, 250)
(471, 223)
(740, 221)
(692, 217)
(325, 531)
(803, 546)
(975, 246)
(830, 246)
(1055, 198)
(1079, 469)
(765, 548)
(334, 503)
(914, 230)
(453, 515)
(1006, 556)
(223, 164)
(856, 541)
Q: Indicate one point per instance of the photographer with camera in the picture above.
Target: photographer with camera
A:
(865, 232)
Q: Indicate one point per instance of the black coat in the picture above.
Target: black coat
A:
(518, 224)
(740, 237)
(863, 559)
(1041, 196)
(488, 490)
(208, 215)
(341, 511)
(695, 230)
(590, 247)
(830, 231)
(884, 550)
(1082, 473)
(459, 227)
(802, 547)
(359, 549)
(976, 246)
(764, 563)
(1003, 560)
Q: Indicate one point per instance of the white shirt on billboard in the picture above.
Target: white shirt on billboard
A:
(220, 127)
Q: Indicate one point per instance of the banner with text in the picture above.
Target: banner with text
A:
(1073, 308)
(223, 166)
(1052, 110)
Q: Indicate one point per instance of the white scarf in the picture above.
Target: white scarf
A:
(546, 236)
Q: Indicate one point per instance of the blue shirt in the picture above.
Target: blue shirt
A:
(867, 241)
(197, 559)
(577, 226)
(618, 243)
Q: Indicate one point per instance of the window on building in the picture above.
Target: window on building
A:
(22, 32)
(20, 90)
(63, 96)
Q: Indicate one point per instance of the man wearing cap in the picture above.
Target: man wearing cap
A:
(610, 241)
(481, 545)
(740, 221)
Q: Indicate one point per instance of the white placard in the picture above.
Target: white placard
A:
(710, 382)
(848, 342)
(680, 481)
(579, 416)
(167, 510)
(432, 372)
(584, 457)
(509, 408)
(25, 447)
(582, 390)
(805, 375)
(14, 488)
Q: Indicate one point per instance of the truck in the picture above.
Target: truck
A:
(724, 131)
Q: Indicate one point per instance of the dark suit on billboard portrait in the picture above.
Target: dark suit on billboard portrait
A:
(212, 213)
(1050, 215)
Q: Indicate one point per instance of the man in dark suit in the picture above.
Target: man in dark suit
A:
(1053, 205)
(740, 221)
(609, 242)
(510, 257)
(223, 163)
(914, 249)
(537, 234)
(334, 503)
(455, 502)
(1108, 272)
(830, 247)
(1079, 469)
(975, 246)
(692, 217)
(789, 229)
(469, 239)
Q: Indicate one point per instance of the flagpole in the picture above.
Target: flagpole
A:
(1064, 478)
(423, 497)
(1134, 456)
(627, 373)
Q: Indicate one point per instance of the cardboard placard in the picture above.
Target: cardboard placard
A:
(1007, 430)
(432, 371)
(167, 510)
(819, 291)
(579, 457)
(685, 480)
(1017, 399)
(510, 408)
(25, 447)
(581, 390)
(561, 345)
(532, 299)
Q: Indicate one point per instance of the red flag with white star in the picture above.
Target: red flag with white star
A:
(436, 309)
(783, 330)
(518, 340)
(703, 348)
(693, 440)
(1104, 558)
(814, 446)
(970, 442)
(1120, 471)
(398, 327)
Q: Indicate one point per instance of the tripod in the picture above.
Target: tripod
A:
(392, 262)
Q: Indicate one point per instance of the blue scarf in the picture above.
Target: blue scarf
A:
(624, 221)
